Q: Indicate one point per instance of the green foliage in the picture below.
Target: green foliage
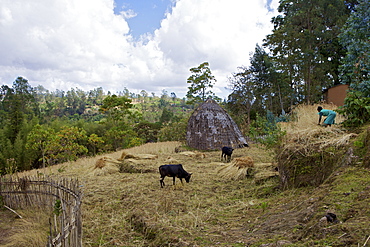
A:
(174, 131)
(258, 88)
(95, 143)
(167, 116)
(271, 91)
(17, 103)
(6, 153)
(264, 205)
(52, 147)
(241, 100)
(356, 108)
(201, 82)
(116, 107)
(362, 146)
(356, 66)
(39, 141)
(118, 137)
(355, 38)
(264, 130)
(134, 141)
(57, 209)
(147, 131)
(305, 46)
(11, 166)
(75, 123)
(67, 145)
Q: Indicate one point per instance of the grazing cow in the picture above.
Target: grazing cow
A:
(226, 153)
(173, 171)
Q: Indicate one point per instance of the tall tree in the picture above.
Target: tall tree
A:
(243, 94)
(116, 107)
(272, 91)
(201, 82)
(38, 141)
(305, 44)
(356, 65)
(355, 37)
(16, 103)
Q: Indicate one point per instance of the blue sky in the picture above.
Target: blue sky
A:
(149, 14)
(86, 44)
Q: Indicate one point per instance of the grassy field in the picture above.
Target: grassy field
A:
(130, 209)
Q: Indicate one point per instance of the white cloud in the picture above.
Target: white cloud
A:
(62, 44)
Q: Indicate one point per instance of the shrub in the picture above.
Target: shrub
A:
(356, 108)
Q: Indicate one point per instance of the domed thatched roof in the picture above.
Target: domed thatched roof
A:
(211, 128)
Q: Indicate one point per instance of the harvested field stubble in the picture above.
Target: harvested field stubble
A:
(130, 209)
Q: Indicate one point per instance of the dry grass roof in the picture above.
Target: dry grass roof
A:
(211, 128)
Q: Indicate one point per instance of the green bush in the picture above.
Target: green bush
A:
(356, 108)
(264, 130)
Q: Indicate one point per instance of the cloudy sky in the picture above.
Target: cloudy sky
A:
(138, 44)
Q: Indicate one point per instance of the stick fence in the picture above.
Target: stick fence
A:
(62, 197)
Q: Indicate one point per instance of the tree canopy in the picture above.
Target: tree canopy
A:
(202, 82)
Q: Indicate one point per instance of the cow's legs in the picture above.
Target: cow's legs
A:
(174, 180)
(162, 182)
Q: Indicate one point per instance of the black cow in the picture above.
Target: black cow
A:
(226, 153)
(173, 171)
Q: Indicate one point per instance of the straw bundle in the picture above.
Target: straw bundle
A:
(105, 166)
(264, 172)
(242, 162)
(195, 154)
(137, 166)
(238, 169)
(171, 160)
(199, 155)
(125, 155)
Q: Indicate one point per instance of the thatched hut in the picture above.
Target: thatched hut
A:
(211, 128)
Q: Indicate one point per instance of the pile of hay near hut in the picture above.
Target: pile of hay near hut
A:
(136, 163)
(126, 155)
(105, 166)
(244, 167)
(239, 168)
(309, 153)
(264, 172)
(309, 156)
(127, 163)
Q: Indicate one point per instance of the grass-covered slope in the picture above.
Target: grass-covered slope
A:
(130, 209)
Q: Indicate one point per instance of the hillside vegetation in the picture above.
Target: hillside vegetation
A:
(127, 207)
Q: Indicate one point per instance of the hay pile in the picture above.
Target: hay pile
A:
(309, 153)
(307, 157)
(264, 172)
(125, 155)
(127, 163)
(195, 154)
(137, 166)
(239, 168)
(105, 166)
(306, 117)
(171, 160)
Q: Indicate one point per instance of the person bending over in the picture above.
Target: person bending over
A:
(329, 114)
